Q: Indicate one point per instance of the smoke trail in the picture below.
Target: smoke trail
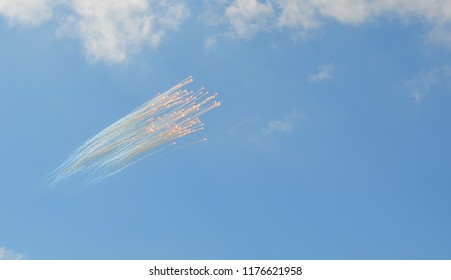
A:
(148, 129)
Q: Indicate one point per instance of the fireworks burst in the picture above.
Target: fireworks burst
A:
(148, 129)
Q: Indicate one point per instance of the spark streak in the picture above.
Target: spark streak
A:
(151, 127)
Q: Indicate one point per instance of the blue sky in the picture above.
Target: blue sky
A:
(332, 140)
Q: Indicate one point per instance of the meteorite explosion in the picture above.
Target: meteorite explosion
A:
(153, 126)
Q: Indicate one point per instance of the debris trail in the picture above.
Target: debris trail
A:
(151, 127)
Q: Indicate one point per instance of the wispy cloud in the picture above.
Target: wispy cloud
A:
(246, 18)
(109, 30)
(112, 30)
(286, 125)
(282, 126)
(6, 254)
(296, 14)
(26, 12)
(261, 131)
(424, 82)
(325, 72)
(417, 96)
(210, 43)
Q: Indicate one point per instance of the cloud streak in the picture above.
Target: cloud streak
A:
(247, 18)
(26, 12)
(110, 31)
(325, 72)
(287, 125)
(417, 96)
(424, 82)
(280, 126)
(6, 254)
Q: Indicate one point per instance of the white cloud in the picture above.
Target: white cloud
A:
(109, 30)
(282, 126)
(28, 12)
(286, 125)
(426, 81)
(6, 254)
(210, 43)
(417, 96)
(325, 72)
(112, 30)
(296, 14)
(248, 17)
